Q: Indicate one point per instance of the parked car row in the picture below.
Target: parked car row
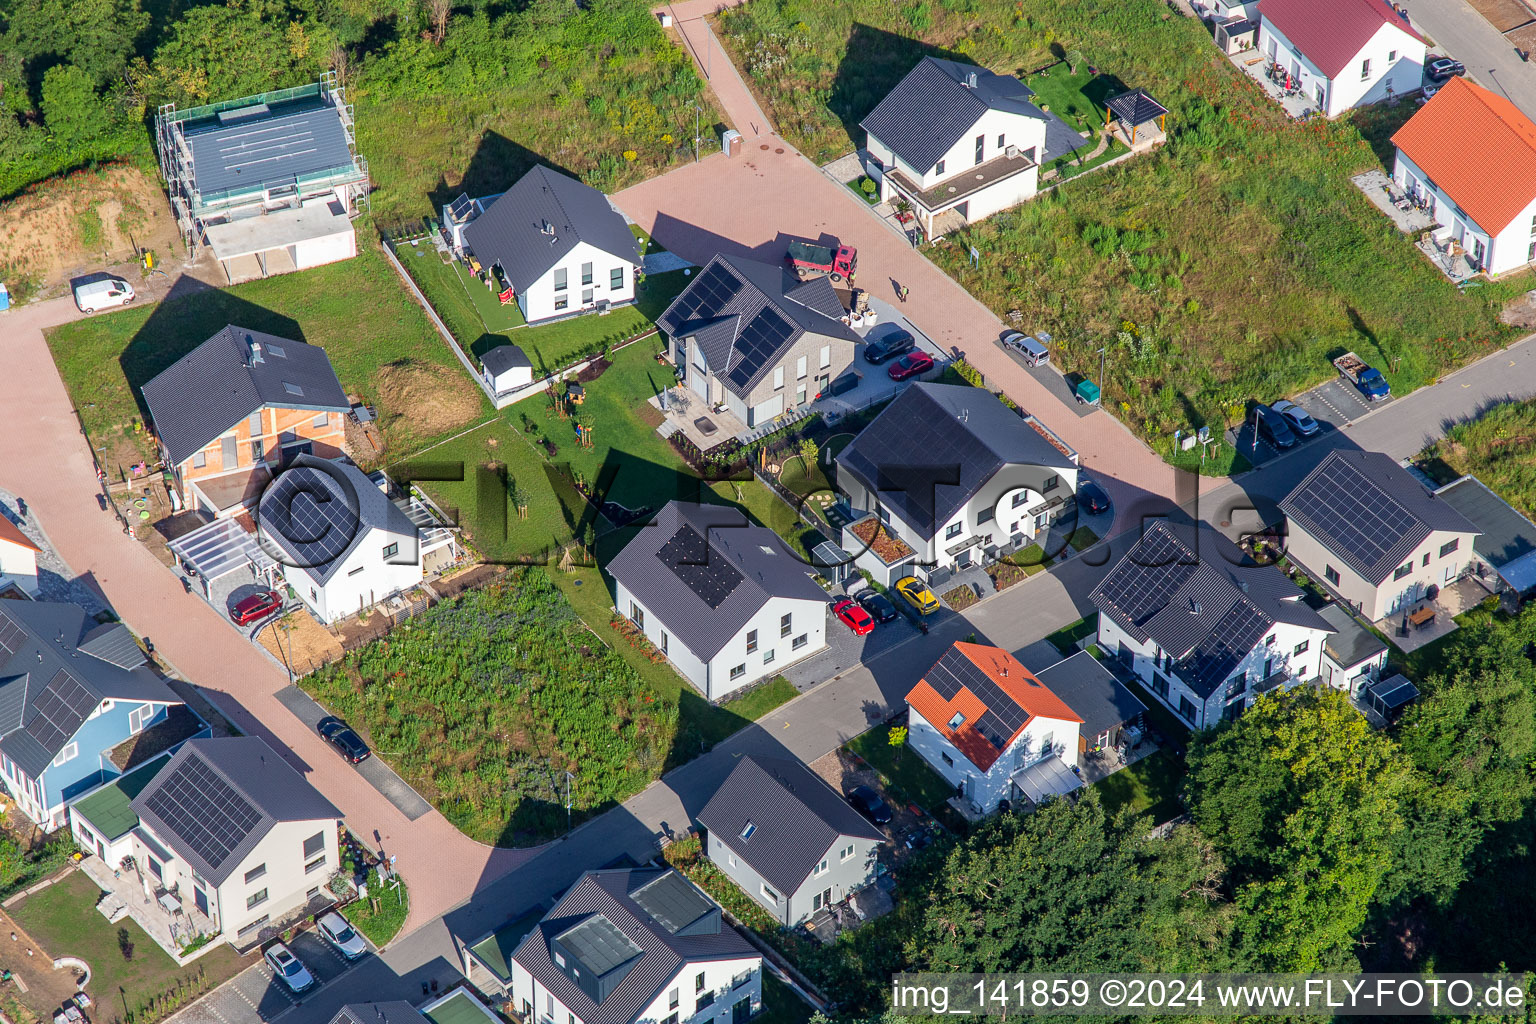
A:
(335, 930)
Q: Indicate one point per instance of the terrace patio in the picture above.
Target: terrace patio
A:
(1383, 192)
(1426, 621)
(167, 919)
(1256, 66)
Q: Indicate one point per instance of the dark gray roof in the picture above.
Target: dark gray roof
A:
(747, 314)
(1351, 643)
(396, 1011)
(1092, 691)
(331, 501)
(1368, 511)
(948, 429)
(1507, 540)
(513, 231)
(218, 798)
(608, 895)
(703, 570)
(219, 383)
(267, 149)
(1136, 107)
(503, 358)
(50, 682)
(932, 108)
(1207, 610)
(798, 817)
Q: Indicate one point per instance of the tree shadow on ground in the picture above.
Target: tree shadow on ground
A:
(873, 62)
(497, 164)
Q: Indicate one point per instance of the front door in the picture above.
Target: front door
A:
(1477, 251)
(200, 899)
(742, 1011)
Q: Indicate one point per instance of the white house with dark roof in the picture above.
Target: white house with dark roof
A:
(1342, 53)
(1205, 633)
(958, 140)
(71, 690)
(560, 246)
(342, 544)
(1106, 707)
(506, 368)
(957, 477)
(790, 841)
(1505, 544)
(1353, 656)
(727, 602)
(636, 946)
(237, 837)
(752, 337)
(1366, 528)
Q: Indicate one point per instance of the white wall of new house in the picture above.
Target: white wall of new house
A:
(850, 864)
(1203, 712)
(723, 979)
(366, 578)
(1426, 567)
(1027, 133)
(1041, 738)
(1510, 249)
(1396, 68)
(542, 299)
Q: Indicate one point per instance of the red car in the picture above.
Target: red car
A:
(910, 365)
(854, 615)
(256, 607)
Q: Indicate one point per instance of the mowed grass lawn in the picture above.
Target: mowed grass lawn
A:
(378, 339)
(1150, 786)
(64, 921)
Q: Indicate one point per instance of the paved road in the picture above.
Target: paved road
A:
(1460, 32)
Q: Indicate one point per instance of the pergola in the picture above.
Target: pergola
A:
(1135, 108)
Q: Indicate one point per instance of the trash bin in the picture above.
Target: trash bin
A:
(730, 142)
(5, 298)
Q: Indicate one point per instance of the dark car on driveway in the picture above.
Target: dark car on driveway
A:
(256, 607)
(1442, 68)
(868, 803)
(893, 344)
(1273, 427)
(1092, 498)
(341, 736)
(879, 606)
(910, 365)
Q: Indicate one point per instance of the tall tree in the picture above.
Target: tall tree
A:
(96, 36)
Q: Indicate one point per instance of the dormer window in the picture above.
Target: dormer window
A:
(746, 833)
(954, 723)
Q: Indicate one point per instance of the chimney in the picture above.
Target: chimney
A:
(1194, 607)
(255, 347)
(970, 79)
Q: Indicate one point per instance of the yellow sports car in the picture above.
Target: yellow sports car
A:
(918, 595)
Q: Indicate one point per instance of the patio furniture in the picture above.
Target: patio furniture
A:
(1423, 617)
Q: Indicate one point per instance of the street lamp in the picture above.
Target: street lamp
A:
(1102, 350)
(568, 778)
(696, 112)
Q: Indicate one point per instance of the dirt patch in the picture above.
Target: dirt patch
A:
(47, 988)
(1502, 14)
(433, 396)
(1524, 39)
(649, 415)
(960, 598)
(1520, 312)
(300, 642)
(81, 222)
(593, 370)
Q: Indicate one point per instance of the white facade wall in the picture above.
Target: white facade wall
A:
(1396, 68)
(314, 252)
(351, 590)
(1026, 133)
(843, 876)
(1427, 566)
(1510, 249)
(1041, 738)
(541, 301)
(723, 980)
(18, 565)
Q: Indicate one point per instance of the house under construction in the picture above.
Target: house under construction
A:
(270, 182)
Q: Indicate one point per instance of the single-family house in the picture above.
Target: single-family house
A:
(992, 729)
(342, 544)
(959, 143)
(726, 602)
(506, 369)
(636, 946)
(239, 838)
(1104, 704)
(269, 182)
(1365, 528)
(560, 247)
(756, 340)
(956, 477)
(1470, 155)
(456, 1006)
(238, 406)
(18, 560)
(787, 839)
(1353, 656)
(71, 690)
(1342, 53)
(1206, 633)
(1505, 544)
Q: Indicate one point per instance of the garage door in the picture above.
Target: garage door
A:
(767, 411)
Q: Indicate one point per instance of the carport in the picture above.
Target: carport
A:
(1045, 779)
(220, 548)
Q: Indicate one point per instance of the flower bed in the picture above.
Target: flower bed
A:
(961, 597)
(889, 548)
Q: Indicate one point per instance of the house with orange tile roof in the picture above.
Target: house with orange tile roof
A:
(1342, 53)
(992, 729)
(18, 560)
(1471, 156)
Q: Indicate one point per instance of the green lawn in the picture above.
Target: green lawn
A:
(1150, 786)
(905, 774)
(1065, 639)
(1078, 99)
(1079, 161)
(63, 920)
(752, 706)
(382, 924)
(780, 1004)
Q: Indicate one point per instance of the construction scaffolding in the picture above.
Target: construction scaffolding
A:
(204, 150)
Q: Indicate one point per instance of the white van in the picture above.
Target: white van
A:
(114, 291)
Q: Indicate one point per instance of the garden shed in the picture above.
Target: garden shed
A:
(506, 368)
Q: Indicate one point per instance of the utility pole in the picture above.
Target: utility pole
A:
(568, 778)
(1102, 350)
(695, 133)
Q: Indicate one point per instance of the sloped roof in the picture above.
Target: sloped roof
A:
(503, 358)
(332, 501)
(1092, 691)
(609, 895)
(9, 531)
(1368, 511)
(512, 232)
(746, 315)
(1136, 107)
(218, 798)
(1507, 540)
(1478, 148)
(704, 572)
(1207, 610)
(1331, 33)
(992, 693)
(948, 429)
(268, 148)
(395, 1011)
(219, 383)
(51, 681)
(932, 108)
(797, 818)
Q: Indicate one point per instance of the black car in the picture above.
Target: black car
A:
(868, 803)
(878, 605)
(1092, 498)
(1273, 427)
(896, 343)
(340, 735)
(1442, 68)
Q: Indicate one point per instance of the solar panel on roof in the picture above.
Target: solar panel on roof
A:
(311, 513)
(1003, 716)
(760, 340)
(461, 208)
(12, 636)
(599, 944)
(702, 570)
(708, 295)
(671, 901)
(1360, 517)
(204, 811)
(59, 710)
(1141, 586)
